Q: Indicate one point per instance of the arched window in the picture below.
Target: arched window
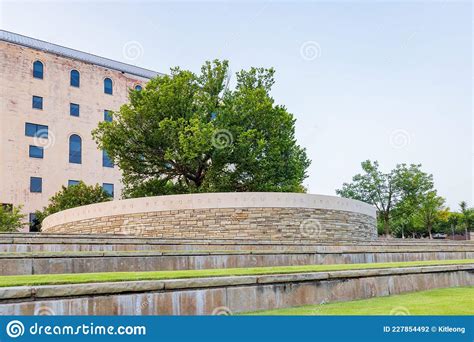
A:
(138, 87)
(75, 149)
(75, 78)
(38, 70)
(108, 86)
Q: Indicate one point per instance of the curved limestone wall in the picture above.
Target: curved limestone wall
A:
(242, 216)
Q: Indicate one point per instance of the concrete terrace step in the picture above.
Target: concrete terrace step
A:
(91, 288)
(118, 239)
(234, 294)
(153, 260)
(58, 245)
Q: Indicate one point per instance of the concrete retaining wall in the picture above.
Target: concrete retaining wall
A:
(227, 294)
(244, 216)
(89, 262)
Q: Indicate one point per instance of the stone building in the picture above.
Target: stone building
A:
(51, 98)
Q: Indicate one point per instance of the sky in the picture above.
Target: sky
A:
(386, 81)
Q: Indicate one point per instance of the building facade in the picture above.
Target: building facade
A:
(51, 98)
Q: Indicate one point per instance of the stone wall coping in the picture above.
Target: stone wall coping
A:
(185, 253)
(71, 290)
(228, 200)
(48, 238)
(178, 242)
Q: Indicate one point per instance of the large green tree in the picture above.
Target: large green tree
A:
(186, 133)
(394, 194)
(71, 197)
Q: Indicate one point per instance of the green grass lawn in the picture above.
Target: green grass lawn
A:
(48, 279)
(450, 301)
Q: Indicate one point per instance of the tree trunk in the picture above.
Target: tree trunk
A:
(429, 230)
(386, 225)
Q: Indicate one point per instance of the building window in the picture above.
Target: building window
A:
(36, 152)
(74, 109)
(106, 162)
(138, 87)
(36, 184)
(72, 182)
(108, 86)
(37, 102)
(38, 70)
(75, 78)
(107, 116)
(37, 131)
(33, 222)
(75, 149)
(108, 188)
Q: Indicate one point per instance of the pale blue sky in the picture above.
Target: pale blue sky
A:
(390, 81)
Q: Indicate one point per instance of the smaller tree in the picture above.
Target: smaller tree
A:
(395, 194)
(11, 218)
(429, 212)
(71, 197)
(453, 221)
(466, 218)
(374, 187)
(443, 222)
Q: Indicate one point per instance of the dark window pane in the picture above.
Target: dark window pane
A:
(75, 149)
(74, 109)
(30, 130)
(138, 87)
(75, 78)
(106, 162)
(42, 131)
(37, 102)
(108, 188)
(108, 86)
(72, 182)
(36, 151)
(34, 130)
(33, 223)
(36, 184)
(38, 70)
(107, 116)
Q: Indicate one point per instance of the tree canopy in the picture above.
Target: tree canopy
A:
(187, 132)
(11, 218)
(71, 197)
(394, 194)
